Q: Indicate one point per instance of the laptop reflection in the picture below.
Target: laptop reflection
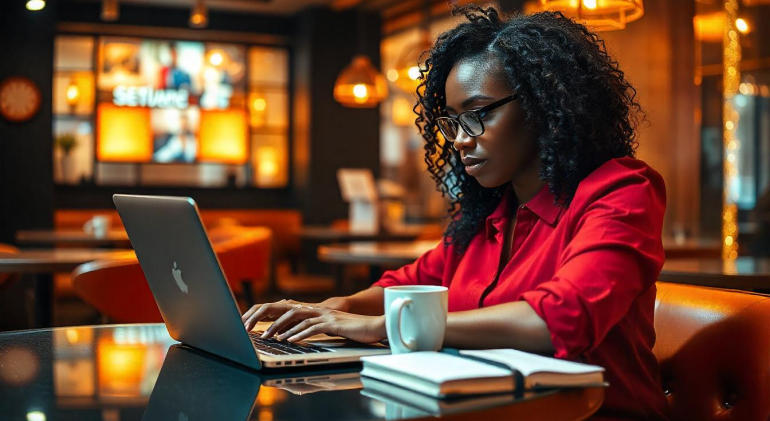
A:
(196, 385)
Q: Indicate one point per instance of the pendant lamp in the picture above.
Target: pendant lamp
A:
(407, 69)
(110, 11)
(360, 85)
(199, 16)
(600, 15)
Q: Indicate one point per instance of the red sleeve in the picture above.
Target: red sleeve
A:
(616, 253)
(427, 270)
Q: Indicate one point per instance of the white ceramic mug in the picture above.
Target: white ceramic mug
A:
(415, 317)
(98, 226)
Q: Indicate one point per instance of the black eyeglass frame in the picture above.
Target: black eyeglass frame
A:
(480, 114)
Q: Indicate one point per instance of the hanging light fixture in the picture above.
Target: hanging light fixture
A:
(360, 85)
(35, 5)
(110, 11)
(600, 15)
(407, 72)
(199, 16)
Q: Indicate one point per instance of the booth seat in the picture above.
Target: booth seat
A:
(713, 346)
(285, 224)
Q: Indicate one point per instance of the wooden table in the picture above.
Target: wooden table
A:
(50, 238)
(67, 373)
(43, 263)
(377, 255)
(314, 236)
(744, 273)
(388, 254)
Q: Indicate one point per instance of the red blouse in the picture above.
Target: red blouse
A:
(588, 271)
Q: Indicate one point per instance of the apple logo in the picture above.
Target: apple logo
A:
(177, 274)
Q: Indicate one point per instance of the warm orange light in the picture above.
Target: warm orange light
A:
(402, 112)
(709, 27)
(605, 15)
(120, 369)
(259, 104)
(360, 92)
(223, 136)
(73, 93)
(360, 85)
(269, 396)
(123, 134)
(268, 165)
(199, 16)
(742, 25)
(216, 58)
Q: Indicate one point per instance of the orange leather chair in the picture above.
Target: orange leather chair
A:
(119, 290)
(713, 347)
(245, 256)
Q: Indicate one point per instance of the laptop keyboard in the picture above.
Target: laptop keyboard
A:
(274, 347)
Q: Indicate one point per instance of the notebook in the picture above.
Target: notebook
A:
(455, 373)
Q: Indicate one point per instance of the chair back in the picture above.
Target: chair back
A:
(713, 347)
(118, 290)
(244, 253)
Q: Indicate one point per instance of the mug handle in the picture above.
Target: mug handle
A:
(394, 329)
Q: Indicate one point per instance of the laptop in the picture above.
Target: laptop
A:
(193, 295)
(195, 385)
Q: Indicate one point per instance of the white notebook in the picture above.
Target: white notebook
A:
(441, 374)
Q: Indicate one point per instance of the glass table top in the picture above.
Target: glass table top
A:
(138, 372)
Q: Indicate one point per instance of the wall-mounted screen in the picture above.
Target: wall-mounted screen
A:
(154, 96)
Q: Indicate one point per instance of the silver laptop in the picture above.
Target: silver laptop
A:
(193, 295)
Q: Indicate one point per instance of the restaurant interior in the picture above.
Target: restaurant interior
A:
(292, 126)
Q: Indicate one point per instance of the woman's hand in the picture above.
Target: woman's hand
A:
(296, 321)
(272, 311)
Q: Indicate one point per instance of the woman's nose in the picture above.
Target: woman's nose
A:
(463, 140)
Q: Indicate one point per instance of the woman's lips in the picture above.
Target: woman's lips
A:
(472, 166)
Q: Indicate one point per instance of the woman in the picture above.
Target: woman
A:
(554, 243)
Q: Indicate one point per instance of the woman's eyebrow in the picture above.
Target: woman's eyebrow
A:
(470, 100)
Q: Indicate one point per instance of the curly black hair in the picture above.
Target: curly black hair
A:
(574, 95)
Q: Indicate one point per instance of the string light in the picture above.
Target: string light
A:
(731, 78)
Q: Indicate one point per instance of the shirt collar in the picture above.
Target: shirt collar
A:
(541, 205)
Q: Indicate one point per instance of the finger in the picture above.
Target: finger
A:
(289, 319)
(315, 329)
(266, 311)
(249, 312)
(299, 327)
(293, 315)
(286, 327)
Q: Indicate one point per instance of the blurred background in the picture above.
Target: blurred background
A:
(290, 123)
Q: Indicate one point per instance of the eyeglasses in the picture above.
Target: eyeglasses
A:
(469, 120)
